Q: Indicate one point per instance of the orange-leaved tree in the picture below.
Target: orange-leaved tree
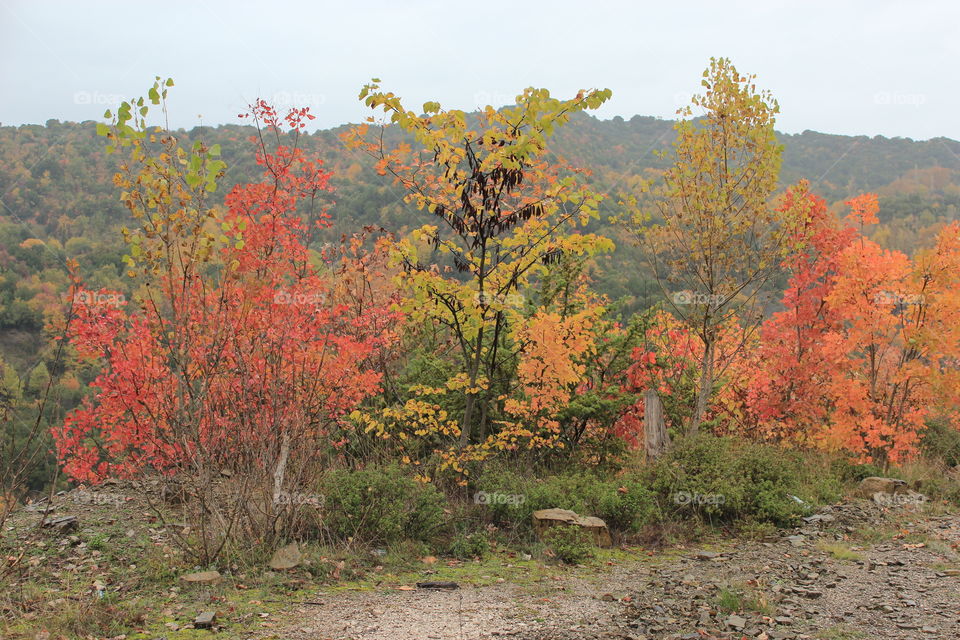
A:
(237, 354)
(865, 351)
(503, 212)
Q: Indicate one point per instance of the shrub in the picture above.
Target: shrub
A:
(628, 506)
(571, 545)
(624, 504)
(381, 505)
(941, 441)
(467, 546)
(726, 479)
(849, 471)
(933, 478)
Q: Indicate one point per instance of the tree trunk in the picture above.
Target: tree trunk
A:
(281, 467)
(706, 387)
(655, 437)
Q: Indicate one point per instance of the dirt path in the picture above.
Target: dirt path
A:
(803, 585)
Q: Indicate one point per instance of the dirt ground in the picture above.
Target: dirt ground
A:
(809, 583)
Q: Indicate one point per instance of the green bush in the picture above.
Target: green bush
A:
(466, 546)
(941, 441)
(624, 504)
(850, 472)
(727, 479)
(381, 505)
(571, 545)
(933, 478)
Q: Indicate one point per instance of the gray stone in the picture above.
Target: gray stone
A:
(205, 620)
(202, 577)
(286, 557)
(736, 622)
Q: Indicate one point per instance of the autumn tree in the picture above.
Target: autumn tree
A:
(502, 213)
(864, 351)
(239, 353)
(713, 238)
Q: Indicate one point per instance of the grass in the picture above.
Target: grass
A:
(839, 551)
(839, 632)
(738, 598)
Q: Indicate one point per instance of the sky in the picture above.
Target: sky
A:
(845, 67)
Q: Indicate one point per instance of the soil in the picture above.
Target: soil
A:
(854, 570)
(792, 587)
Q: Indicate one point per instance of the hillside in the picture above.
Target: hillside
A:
(60, 204)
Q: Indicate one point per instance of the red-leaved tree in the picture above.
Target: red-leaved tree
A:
(241, 351)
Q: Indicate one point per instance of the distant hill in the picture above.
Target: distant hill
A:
(59, 202)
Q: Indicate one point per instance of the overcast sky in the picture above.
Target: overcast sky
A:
(850, 67)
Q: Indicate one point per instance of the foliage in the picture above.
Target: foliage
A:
(723, 479)
(237, 339)
(505, 213)
(625, 504)
(715, 240)
(380, 506)
(569, 544)
(237, 350)
(941, 441)
(862, 355)
(469, 546)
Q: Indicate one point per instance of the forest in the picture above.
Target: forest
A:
(415, 333)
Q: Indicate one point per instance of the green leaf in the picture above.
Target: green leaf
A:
(102, 129)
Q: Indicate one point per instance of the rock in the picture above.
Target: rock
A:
(736, 622)
(874, 484)
(546, 518)
(819, 518)
(437, 585)
(205, 620)
(286, 557)
(796, 541)
(202, 577)
(63, 525)
(706, 555)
